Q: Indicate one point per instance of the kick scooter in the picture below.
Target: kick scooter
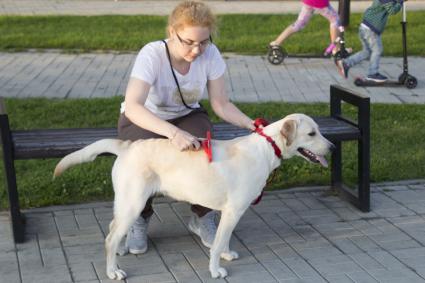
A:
(277, 54)
(405, 79)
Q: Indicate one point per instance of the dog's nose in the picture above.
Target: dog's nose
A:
(331, 147)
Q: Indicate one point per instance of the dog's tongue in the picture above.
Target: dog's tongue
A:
(322, 161)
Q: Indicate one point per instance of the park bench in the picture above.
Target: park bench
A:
(56, 143)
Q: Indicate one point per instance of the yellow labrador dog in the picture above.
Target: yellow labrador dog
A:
(234, 178)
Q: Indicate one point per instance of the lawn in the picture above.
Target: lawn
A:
(244, 34)
(397, 150)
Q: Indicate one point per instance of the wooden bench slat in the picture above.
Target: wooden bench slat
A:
(50, 143)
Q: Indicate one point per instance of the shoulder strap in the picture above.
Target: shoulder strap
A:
(175, 77)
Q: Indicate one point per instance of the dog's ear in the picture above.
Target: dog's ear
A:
(288, 130)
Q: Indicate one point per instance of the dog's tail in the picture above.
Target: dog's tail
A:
(90, 152)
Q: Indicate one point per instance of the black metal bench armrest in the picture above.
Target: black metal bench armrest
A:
(339, 94)
(361, 196)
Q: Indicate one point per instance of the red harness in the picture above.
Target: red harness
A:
(206, 145)
(262, 122)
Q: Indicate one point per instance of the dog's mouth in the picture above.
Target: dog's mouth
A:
(310, 156)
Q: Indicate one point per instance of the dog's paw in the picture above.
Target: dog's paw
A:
(219, 273)
(117, 274)
(230, 255)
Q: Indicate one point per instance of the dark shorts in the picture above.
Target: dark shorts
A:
(196, 123)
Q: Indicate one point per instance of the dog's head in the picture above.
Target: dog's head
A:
(301, 136)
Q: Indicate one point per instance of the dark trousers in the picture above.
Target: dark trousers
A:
(196, 123)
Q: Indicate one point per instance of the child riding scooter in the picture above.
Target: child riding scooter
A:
(370, 31)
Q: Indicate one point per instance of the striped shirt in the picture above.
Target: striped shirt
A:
(375, 17)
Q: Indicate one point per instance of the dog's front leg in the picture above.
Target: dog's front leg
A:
(228, 221)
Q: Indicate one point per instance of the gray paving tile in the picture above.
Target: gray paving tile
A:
(249, 273)
(366, 261)
(347, 246)
(279, 270)
(365, 243)
(83, 272)
(59, 273)
(386, 259)
(9, 269)
(339, 278)
(361, 277)
(396, 275)
(319, 252)
(300, 267)
(338, 268)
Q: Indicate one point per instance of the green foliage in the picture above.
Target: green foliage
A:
(397, 150)
(248, 34)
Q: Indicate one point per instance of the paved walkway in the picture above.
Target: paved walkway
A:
(299, 235)
(249, 78)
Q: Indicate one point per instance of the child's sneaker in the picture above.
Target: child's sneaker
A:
(342, 68)
(330, 50)
(378, 78)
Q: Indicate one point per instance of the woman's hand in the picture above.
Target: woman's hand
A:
(184, 141)
(251, 125)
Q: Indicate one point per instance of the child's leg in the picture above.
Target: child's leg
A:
(375, 57)
(332, 16)
(303, 18)
(362, 54)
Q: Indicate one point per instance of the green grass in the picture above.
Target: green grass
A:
(397, 150)
(247, 34)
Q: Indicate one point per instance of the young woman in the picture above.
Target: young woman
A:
(168, 80)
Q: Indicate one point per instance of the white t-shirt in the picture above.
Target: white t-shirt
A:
(153, 67)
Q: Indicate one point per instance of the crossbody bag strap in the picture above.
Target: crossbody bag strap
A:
(175, 77)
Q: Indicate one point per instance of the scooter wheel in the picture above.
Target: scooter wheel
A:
(276, 55)
(402, 78)
(359, 82)
(411, 82)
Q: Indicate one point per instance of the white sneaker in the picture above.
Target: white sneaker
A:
(205, 227)
(137, 238)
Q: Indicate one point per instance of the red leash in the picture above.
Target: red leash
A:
(262, 122)
(206, 145)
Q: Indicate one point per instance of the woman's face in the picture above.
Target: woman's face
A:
(191, 41)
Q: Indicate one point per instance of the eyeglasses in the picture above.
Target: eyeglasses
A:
(191, 45)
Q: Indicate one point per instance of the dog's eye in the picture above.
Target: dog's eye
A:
(312, 134)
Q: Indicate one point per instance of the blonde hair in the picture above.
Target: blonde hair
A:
(191, 13)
